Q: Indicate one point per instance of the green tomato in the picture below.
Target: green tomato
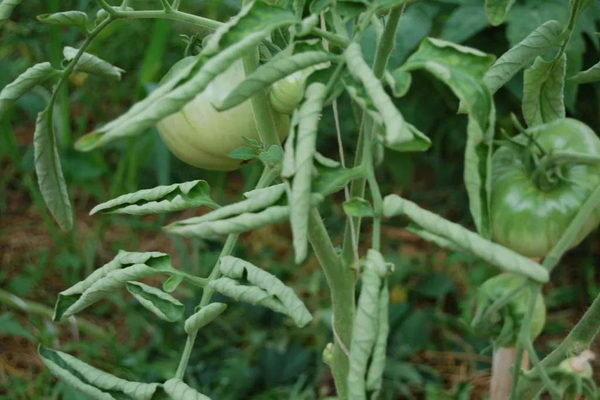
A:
(203, 137)
(529, 216)
(287, 93)
(504, 325)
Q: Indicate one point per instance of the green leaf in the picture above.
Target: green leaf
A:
(91, 64)
(267, 289)
(10, 326)
(466, 240)
(179, 390)
(203, 317)
(380, 5)
(358, 207)
(273, 155)
(332, 180)
(591, 74)
(463, 69)
(543, 91)
(308, 116)
(33, 76)
(163, 305)
(374, 379)
(257, 199)
(267, 74)
(168, 198)
(366, 321)
(6, 8)
(49, 171)
(399, 135)
(496, 10)
(125, 267)
(243, 153)
(523, 53)
(91, 381)
(72, 18)
(230, 41)
(245, 222)
(399, 81)
(172, 283)
(464, 22)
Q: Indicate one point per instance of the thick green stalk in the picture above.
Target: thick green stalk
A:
(341, 285)
(579, 339)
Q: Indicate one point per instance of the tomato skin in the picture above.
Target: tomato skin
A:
(505, 328)
(201, 136)
(528, 219)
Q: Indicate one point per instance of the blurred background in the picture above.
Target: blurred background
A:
(250, 352)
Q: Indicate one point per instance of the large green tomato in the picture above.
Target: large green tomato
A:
(203, 137)
(504, 326)
(530, 215)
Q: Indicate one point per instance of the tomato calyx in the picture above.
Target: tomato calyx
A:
(547, 166)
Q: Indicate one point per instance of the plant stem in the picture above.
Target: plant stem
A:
(341, 286)
(579, 339)
(185, 356)
(171, 14)
(263, 117)
(357, 187)
(34, 308)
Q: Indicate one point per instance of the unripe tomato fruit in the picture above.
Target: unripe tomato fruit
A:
(505, 326)
(529, 218)
(203, 137)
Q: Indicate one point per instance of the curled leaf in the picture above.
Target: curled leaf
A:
(92, 64)
(176, 197)
(162, 304)
(203, 317)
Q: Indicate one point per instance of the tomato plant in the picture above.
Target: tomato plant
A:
(539, 184)
(278, 67)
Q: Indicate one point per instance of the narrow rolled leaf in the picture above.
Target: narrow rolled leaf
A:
(306, 139)
(543, 91)
(288, 165)
(33, 76)
(72, 18)
(267, 74)
(496, 10)
(92, 64)
(399, 135)
(126, 266)
(231, 40)
(203, 317)
(176, 197)
(493, 253)
(278, 297)
(7, 7)
(92, 381)
(463, 69)
(332, 180)
(377, 365)
(237, 224)
(591, 74)
(49, 171)
(358, 207)
(326, 161)
(366, 323)
(256, 200)
(163, 305)
(523, 53)
(179, 390)
(172, 283)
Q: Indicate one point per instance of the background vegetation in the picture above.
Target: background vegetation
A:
(434, 354)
